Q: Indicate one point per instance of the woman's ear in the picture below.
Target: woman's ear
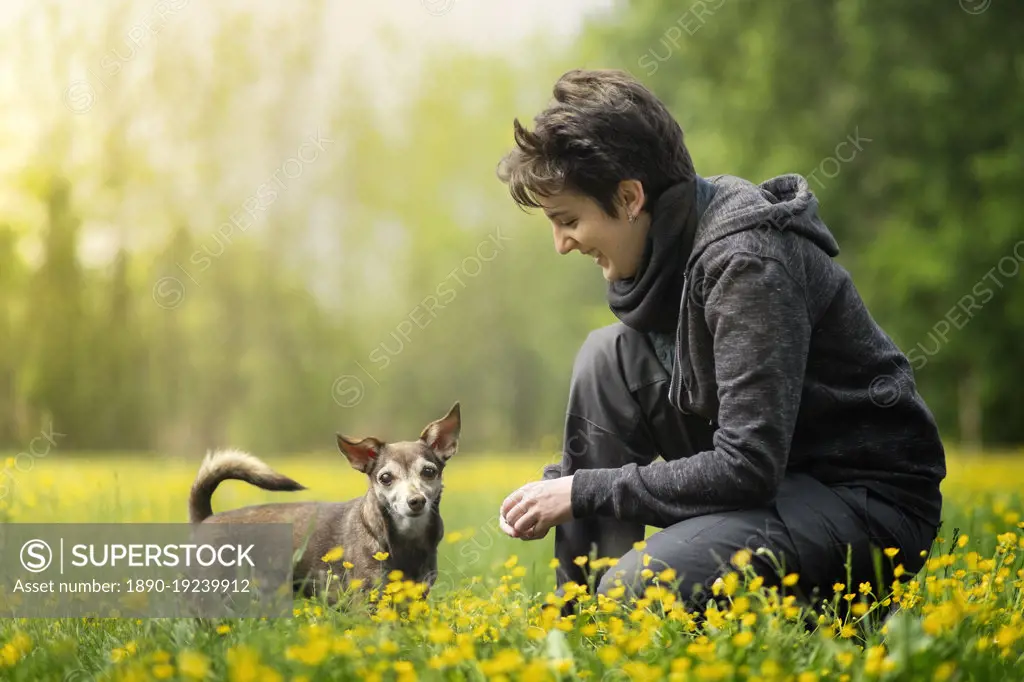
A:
(631, 197)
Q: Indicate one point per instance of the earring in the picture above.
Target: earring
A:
(632, 218)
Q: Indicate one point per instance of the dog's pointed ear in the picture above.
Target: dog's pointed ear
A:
(442, 435)
(360, 453)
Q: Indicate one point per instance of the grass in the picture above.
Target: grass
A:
(960, 618)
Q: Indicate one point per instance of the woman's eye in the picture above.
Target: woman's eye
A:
(386, 479)
(570, 223)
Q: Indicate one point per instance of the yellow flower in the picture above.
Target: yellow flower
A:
(561, 665)
(790, 579)
(807, 676)
(1006, 636)
(223, 629)
(243, 664)
(944, 670)
(893, 551)
(740, 605)
(741, 558)
(898, 571)
(193, 664)
(608, 654)
(865, 588)
(163, 671)
(838, 587)
(381, 556)
(580, 560)
(668, 575)
(312, 653)
(640, 546)
(9, 655)
(962, 542)
(333, 554)
(553, 563)
(503, 662)
(876, 662)
(119, 654)
(742, 640)
(729, 584)
(395, 575)
(715, 618)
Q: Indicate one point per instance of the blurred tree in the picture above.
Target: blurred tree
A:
(116, 368)
(164, 303)
(11, 342)
(58, 323)
(251, 272)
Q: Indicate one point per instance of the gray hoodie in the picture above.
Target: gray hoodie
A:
(776, 349)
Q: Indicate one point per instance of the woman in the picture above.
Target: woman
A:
(744, 357)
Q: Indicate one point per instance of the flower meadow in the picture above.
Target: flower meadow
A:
(492, 614)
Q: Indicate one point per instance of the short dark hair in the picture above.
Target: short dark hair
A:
(603, 127)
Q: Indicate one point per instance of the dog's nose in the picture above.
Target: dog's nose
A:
(416, 503)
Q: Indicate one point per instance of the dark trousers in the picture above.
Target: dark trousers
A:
(619, 412)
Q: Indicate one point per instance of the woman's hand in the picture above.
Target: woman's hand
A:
(531, 511)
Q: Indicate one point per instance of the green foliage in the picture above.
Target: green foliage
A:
(169, 280)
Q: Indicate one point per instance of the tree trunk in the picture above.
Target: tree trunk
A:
(969, 410)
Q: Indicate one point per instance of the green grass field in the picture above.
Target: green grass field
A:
(959, 619)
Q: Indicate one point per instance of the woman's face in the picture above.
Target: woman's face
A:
(615, 244)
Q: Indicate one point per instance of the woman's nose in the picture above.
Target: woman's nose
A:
(563, 242)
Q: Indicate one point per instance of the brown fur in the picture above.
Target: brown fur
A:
(362, 526)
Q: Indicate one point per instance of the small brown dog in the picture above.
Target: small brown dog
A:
(399, 514)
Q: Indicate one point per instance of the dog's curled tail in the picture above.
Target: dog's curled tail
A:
(222, 465)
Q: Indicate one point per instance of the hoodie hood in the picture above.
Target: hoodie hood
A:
(781, 203)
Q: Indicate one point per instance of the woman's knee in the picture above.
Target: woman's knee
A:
(699, 551)
(690, 577)
(599, 353)
(624, 573)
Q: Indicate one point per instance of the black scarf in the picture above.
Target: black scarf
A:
(649, 301)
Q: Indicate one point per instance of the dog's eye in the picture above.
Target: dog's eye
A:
(386, 478)
(429, 472)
